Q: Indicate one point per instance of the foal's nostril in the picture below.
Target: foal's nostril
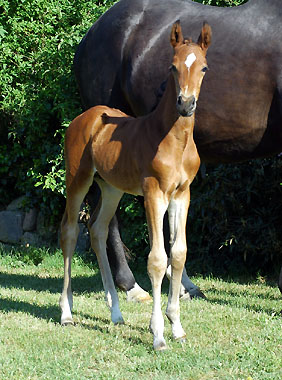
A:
(179, 100)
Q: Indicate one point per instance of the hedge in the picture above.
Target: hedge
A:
(235, 213)
(38, 39)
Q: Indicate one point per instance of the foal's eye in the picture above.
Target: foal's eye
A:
(205, 69)
(173, 68)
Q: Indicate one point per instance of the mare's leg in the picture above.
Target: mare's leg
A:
(188, 289)
(177, 211)
(280, 281)
(280, 284)
(99, 234)
(122, 274)
(156, 206)
(69, 232)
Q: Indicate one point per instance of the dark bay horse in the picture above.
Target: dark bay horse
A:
(240, 108)
(139, 156)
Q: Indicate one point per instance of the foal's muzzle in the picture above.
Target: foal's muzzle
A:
(186, 107)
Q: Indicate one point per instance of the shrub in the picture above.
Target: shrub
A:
(235, 217)
(38, 98)
(38, 39)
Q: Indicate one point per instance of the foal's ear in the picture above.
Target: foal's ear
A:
(176, 37)
(204, 39)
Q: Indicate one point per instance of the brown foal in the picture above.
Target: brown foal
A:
(154, 156)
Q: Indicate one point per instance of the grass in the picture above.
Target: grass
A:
(235, 334)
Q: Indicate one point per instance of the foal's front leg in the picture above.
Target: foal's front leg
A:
(156, 206)
(177, 211)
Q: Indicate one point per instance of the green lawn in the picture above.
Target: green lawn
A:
(235, 334)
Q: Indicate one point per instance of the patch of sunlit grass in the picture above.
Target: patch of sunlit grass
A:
(235, 334)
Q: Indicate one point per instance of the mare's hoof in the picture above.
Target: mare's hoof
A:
(193, 293)
(197, 293)
(137, 294)
(119, 321)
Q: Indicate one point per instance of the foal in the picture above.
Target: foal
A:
(154, 156)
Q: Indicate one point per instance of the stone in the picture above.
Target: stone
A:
(31, 239)
(45, 230)
(30, 218)
(11, 226)
(17, 204)
(83, 240)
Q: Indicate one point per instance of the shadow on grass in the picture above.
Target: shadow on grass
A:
(253, 308)
(216, 296)
(53, 285)
(49, 313)
(250, 292)
(52, 314)
(93, 284)
(107, 328)
(80, 284)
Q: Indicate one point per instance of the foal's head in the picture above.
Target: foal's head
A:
(189, 66)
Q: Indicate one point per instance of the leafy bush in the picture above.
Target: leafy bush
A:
(38, 39)
(19, 257)
(235, 217)
(38, 98)
(133, 226)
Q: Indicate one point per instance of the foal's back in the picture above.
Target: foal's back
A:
(112, 143)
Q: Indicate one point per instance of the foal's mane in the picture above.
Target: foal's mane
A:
(107, 119)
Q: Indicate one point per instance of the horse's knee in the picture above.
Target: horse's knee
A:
(98, 235)
(157, 263)
(178, 258)
(69, 233)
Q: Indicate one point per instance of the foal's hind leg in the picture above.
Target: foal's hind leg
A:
(177, 210)
(110, 198)
(69, 233)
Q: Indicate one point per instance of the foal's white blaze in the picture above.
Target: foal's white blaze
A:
(191, 58)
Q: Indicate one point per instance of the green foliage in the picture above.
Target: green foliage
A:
(234, 213)
(38, 39)
(23, 256)
(235, 217)
(18, 257)
(133, 225)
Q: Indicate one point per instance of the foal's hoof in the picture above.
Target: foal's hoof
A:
(160, 345)
(185, 297)
(137, 294)
(67, 322)
(181, 339)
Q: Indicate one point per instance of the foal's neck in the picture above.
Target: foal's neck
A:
(167, 116)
